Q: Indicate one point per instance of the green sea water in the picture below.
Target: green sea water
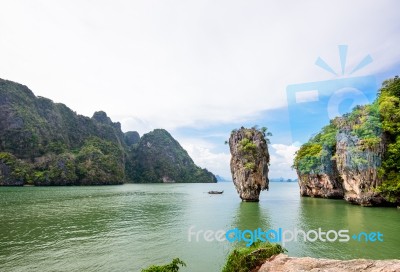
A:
(129, 227)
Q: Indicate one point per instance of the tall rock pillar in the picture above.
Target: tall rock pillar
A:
(249, 162)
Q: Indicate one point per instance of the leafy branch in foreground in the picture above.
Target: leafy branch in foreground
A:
(171, 267)
(246, 259)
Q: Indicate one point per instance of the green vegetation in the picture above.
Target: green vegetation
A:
(248, 146)
(241, 259)
(158, 157)
(46, 143)
(311, 156)
(174, 266)
(370, 127)
(246, 259)
(17, 171)
(389, 109)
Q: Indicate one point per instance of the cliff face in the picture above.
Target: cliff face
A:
(324, 181)
(249, 162)
(46, 143)
(344, 159)
(158, 157)
(358, 167)
(358, 152)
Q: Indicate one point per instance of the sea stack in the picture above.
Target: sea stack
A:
(249, 162)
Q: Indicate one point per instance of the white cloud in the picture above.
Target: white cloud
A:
(158, 64)
(186, 63)
(203, 155)
(281, 160)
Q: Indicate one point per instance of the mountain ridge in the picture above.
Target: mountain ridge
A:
(46, 143)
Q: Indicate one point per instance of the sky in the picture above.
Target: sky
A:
(202, 68)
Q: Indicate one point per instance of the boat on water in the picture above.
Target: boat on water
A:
(215, 192)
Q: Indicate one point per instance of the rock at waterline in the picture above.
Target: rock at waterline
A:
(283, 262)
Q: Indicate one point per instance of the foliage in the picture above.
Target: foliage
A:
(174, 266)
(310, 157)
(100, 162)
(246, 259)
(266, 134)
(389, 109)
(60, 147)
(55, 170)
(13, 170)
(250, 165)
(247, 146)
(158, 157)
(391, 189)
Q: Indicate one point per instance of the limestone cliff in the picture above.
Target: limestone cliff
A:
(349, 159)
(159, 158)
(358, 167)
(46, 143)
(249, 162)
(324, 181)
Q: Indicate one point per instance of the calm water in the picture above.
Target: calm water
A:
(126, 228)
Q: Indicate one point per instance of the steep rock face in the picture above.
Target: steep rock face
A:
(344, 159)
(324, 181)
(320, 185)
(358, 167)
(46, 143)
(249, 162)
(158, 157)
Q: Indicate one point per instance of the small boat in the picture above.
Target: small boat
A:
(215, 192)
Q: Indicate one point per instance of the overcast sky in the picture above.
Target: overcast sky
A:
(196, 68)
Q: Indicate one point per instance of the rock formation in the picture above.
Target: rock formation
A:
(249, 162)
(46, 143)
(341, 162)
(325, 182)
(358, 167)
(285, 263)
(357, 155)
(158, 157)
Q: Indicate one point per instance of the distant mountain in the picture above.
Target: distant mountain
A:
(222, 179)
(158, 157)
(282, 180)
(46, 143)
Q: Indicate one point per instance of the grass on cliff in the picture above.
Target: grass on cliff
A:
(245, 259)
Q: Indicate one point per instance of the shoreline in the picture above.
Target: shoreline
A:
(283, 262)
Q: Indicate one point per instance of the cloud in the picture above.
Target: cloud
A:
(203, 155)
(282, 160)
(179, 64)
(187, 63)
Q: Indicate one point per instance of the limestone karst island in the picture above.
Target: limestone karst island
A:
(46, 143)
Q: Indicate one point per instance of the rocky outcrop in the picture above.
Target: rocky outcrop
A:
(324, 181)
(358, 167)
(249, 162)
(131, 138)
(284, 263)
(46, 143)
(158, 157)
(344, 159)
